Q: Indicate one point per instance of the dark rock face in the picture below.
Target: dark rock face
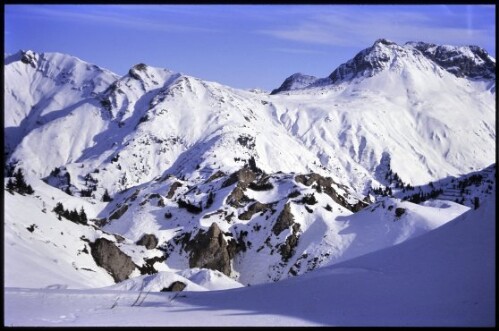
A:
(294, 82)
(243, 177)
(172, 190)
(209, 250)
(284, 220)
(216, 175)
(118, 212)
(288, 248)
(473, 64)
(108, 256)
(176, 286)
(253, 209)
(28, 58)
(148, 240)
(366, 63)
(148, 267)
(324, 184)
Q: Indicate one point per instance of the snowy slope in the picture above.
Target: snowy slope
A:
(45, 87)
(247, 164)
(443, 278)
(387, 100)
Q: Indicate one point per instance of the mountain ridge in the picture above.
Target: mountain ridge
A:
(221, 176)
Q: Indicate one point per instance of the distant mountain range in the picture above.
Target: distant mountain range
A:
(199, 181)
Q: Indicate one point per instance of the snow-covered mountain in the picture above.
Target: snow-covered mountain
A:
(443, 278)
(156, 179)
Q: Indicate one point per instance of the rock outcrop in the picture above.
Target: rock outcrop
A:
(108, 256)
(176, 286)
(284, 220)
(148, 240)
(209, 250)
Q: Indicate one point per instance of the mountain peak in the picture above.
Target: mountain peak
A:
(294, 82)
(384, 42)
(471, 62)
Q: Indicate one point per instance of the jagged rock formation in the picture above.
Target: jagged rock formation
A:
(284, 221)
(209, 250)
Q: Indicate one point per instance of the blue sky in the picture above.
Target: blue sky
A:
(243, 46)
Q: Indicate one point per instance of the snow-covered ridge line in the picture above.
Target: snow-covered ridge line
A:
(471, 62)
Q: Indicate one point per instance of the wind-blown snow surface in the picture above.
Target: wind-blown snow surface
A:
(443, 278)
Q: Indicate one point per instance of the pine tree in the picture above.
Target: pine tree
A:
(82, 217)
(11, 186)
(106, 197)
(58, 209)
(20, 183)
(29, 189)
(73, 216)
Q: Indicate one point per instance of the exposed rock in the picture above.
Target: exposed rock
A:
(108, 256)
(216, 175)
(243, 177)
(119, 238)
(284, 220)
(209, 250)
(148, 267)
(176, 286)
(367, 62)
(464, 61)
(288, 248)
(118, 212)
(399, 212)
(294, 82)
(237, 197)
(172, 190)
(148, 240)
(253, 209)
(324, 184)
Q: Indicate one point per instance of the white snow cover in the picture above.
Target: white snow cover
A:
(443, 278)
(431, 123)
(393, 263)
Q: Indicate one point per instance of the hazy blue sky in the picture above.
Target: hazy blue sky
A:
(244, 46)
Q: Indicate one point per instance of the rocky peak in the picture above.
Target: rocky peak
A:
(368, 62)
(29, 57)
(462, 61)
(135, 71)
(294, 82)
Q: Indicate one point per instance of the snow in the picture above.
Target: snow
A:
(393, 263)
(428, 280)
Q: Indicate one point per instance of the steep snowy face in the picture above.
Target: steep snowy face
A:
(294, 82)
(44, 87)
(462, 61)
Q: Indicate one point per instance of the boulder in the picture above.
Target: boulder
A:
(108, 256)
(176, 286)
(148, 240)
(209, 250)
